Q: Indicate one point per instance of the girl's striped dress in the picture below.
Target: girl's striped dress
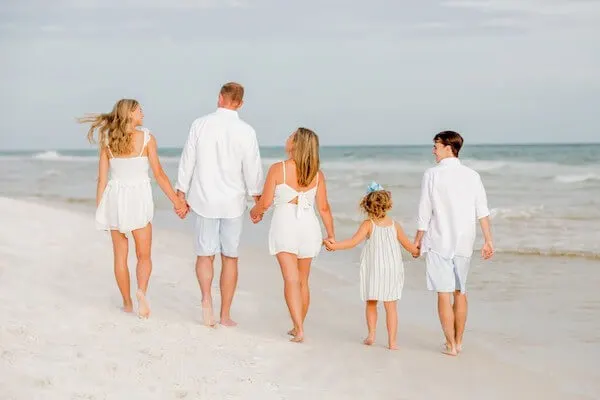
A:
(381, 266)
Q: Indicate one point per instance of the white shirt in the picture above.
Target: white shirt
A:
(219, 165)
(452, 200)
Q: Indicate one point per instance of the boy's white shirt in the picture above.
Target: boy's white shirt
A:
(453, 199)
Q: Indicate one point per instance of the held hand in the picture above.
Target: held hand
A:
(416, 254)
(329, 244)
(255, 216)
(487, 251)
(181, 207)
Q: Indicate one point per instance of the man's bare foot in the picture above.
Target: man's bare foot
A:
(292, 332)
(228, 322)
(450, 351)
(369, 341)
(143, 306)
(393, 346)
(207, 316)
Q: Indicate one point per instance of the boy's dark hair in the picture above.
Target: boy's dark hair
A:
(450, 138)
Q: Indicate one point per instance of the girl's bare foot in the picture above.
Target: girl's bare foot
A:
(143, 306)
(393, 346)
(207, 316)
(450, 351)
(369, 341)
(458, 347)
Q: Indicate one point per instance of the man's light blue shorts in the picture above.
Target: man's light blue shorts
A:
(445, 275)
(218, 235)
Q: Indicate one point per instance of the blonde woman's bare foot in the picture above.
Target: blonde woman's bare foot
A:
(369, 341)
(207, 317)
(458, 347)
(298, 338)
(393, 346)
(292, 332)
(143, 306)
(127, 306)
(228, 322)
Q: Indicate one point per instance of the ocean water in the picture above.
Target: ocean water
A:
(536, 304)
(545, 199)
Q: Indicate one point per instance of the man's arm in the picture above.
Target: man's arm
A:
(425, 209)
(187, 163)
(252, 168)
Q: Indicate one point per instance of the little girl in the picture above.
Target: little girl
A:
(125, 200)
(381, 268)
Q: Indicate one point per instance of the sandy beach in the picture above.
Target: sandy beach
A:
(62, 335)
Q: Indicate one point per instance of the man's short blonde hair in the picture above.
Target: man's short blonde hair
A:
(232, 91)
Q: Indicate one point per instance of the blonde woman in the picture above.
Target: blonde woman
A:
(295, 236)
(124, 201)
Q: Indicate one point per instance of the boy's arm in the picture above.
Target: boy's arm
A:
(425, 209)
(359, 236)
(483, 215)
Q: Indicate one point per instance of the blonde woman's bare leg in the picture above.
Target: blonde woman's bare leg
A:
(293, 297)
(120, 252)
(143, 245)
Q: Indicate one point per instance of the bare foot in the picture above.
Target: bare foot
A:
(369, 341)
(207, 316)
(298, 338)
(143, 306)
(458, 347)
(393, 346)
(127, 307)
(292, 332)
(450, 351)
(228, 322)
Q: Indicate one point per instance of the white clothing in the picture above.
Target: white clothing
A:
(294, 227)
(381, 266)
(126, 203)
(218, 235)
(219, 164)
(452, 200)
(446, 275)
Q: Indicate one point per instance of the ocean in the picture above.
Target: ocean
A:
(536, 303)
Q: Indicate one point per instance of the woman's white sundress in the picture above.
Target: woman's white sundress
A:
(381, 266)
(295, 228)
(127, 203)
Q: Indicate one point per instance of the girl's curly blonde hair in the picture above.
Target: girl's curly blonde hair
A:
(377, 204)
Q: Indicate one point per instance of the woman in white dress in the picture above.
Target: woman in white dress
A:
(295, 238)
(124, 199)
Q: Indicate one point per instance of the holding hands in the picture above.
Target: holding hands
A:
(180, 206)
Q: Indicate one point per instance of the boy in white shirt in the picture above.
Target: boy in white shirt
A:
(452, 200)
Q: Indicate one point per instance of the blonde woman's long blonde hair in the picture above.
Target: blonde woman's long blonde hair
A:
(113, 127)
(305, 153)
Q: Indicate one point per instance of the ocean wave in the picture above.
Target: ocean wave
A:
(52, 155)
(577, 178)
(590, 255)
(517, 212)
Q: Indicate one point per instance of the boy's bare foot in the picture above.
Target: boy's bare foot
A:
(207, 316)
(143, 306)
(393, 346)
(369, 341)
(228, 322)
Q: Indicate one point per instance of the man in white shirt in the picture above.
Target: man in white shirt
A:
(452, 200)
(219, 166)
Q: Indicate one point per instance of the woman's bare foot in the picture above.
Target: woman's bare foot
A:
(127, 306)
(143, 306)
(458, 347)
(207, 316)
(292, 332)
(369, 341)
(228, 322)
(393, 346)
(299, 338)
(450, 351)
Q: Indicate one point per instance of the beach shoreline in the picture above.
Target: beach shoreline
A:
(62, 335)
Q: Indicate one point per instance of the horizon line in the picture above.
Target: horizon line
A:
(345, 146)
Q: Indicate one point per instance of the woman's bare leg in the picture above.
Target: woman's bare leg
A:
(120, 252)
(143, 245)
(293, 298)
(304, 270)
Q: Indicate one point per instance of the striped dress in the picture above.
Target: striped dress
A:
(381, 267)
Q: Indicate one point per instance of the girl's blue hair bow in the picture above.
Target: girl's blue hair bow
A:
(374, 187)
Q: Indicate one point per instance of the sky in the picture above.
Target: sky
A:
(357, 72)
